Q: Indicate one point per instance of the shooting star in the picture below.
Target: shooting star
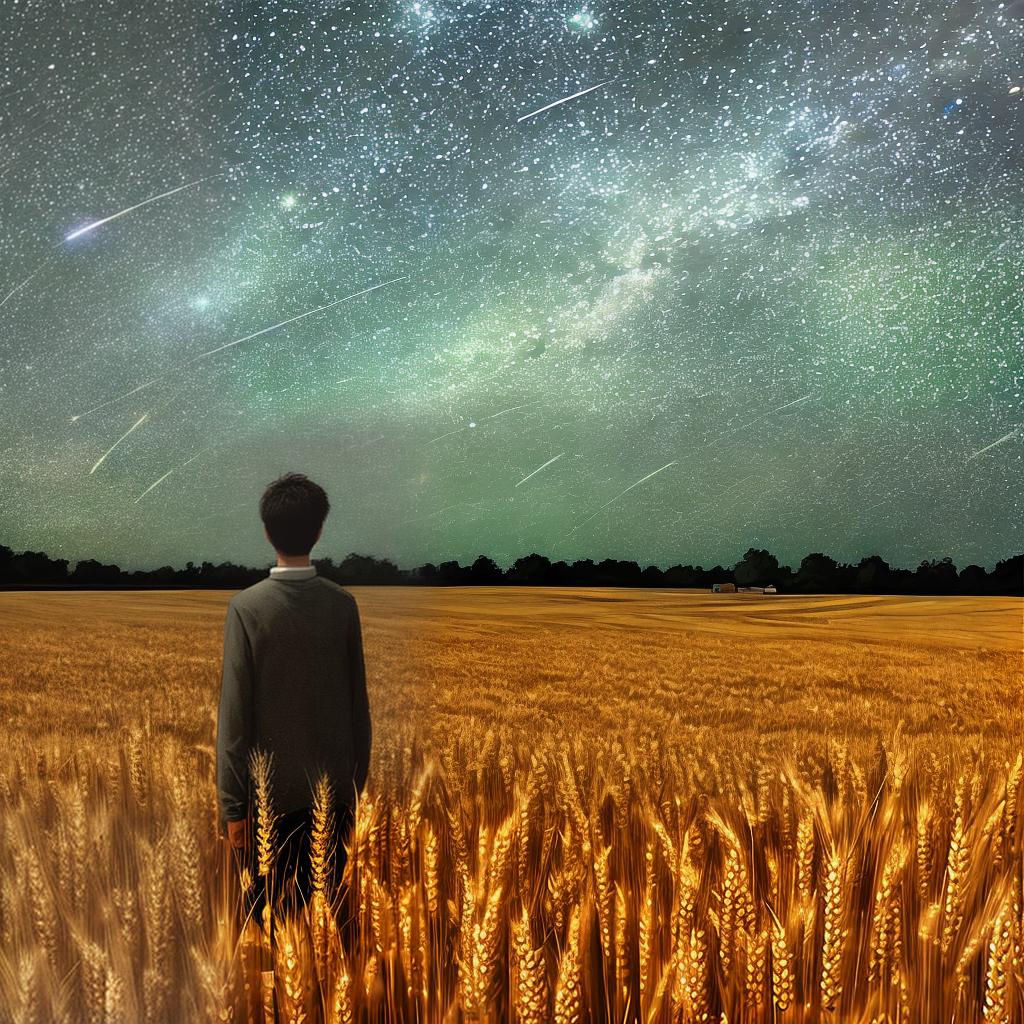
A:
(366, 444)
(620, 494)
(457, 430)
(759, 419)
(472, 423)
(565, 99)
(111, 401)
(994, 444)
(301, 316)
(138, 206)
(168, 473)
(430, 515)
(152, 485)
(238, 341)
(130, 430)
(795, 401)
(17, 288)
(495, 415)
(539, 468)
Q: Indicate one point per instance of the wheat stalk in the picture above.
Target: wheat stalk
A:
(568, 991)
(530, 994)
(834, 934)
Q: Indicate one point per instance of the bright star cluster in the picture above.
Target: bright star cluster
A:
(658, 281)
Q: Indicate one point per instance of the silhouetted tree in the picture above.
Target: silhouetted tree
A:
(452, 574)
(873, 575)
(228, 574)
(652, 576)
(973, 580)
(426, 573)
(678, 576)
(1008, 576)
(612, 572)
(484, 571)
(91, 572)
(716, 574)
(163, 576)
(37, 567)
(757, 568)
(818, 573)
(560, 574)
(326, 567)
(582, 572)
(365, 569)
(936, 577)
(530, 570)
(901, 581)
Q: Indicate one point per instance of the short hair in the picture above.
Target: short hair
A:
(293, 510)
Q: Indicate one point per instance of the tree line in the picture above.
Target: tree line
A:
(816, 573)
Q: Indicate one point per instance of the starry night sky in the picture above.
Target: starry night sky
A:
(756, 281)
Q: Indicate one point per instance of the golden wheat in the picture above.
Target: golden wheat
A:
(588, 848)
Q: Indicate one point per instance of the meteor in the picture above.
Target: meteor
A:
(539, 468)
(457, 430)
(168, 473)
(111, 401)
(130, 430)
(988, 448)
(151, 486)
(513, 408)
(430, 515)
(565, 99)
(138, 206)
(759, 419)
(238, 341)
(796, 401)
(17, 288)
(621, 493)
(301, 316)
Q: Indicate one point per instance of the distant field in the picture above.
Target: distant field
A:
(777, 670)
(584, 806)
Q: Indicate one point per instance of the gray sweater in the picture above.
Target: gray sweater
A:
(293, 684)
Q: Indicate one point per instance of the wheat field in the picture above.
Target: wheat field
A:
(583, 805)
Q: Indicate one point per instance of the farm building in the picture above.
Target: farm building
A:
(723, 588)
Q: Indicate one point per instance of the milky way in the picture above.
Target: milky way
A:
(635, 280)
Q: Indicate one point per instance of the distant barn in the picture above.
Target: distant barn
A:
(723, 588)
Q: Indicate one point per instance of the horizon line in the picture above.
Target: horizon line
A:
(553, 561)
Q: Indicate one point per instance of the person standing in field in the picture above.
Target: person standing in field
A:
(293, 685)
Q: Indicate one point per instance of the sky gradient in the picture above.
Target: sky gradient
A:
(757, 281)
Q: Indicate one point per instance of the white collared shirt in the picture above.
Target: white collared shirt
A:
(293, 572)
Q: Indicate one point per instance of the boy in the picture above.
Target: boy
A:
(293, 685)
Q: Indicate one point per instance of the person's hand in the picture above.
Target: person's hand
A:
(238, 834)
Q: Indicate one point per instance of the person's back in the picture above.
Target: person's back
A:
(307, 685)
(293, 682)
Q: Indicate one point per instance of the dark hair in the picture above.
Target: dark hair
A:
(293, 510)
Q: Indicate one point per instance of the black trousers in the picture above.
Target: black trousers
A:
(290, 878)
